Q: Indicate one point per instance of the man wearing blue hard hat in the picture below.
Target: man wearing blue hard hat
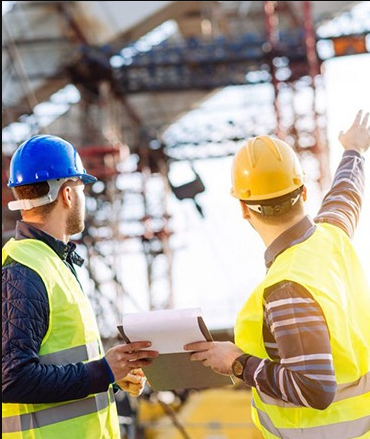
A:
(56, 379)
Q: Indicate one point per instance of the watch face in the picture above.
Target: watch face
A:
(237, 368)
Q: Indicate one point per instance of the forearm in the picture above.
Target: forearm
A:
(37, 383)
(296, 338)
(32, 382)
(300, 388)
(342, 204)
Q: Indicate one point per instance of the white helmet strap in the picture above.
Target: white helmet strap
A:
(52, 195)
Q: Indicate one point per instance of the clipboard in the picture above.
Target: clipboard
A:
(172, 369)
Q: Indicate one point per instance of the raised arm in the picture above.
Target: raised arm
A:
(342, 204)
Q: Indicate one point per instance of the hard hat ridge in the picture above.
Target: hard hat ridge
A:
(43, 158)
(265, 168)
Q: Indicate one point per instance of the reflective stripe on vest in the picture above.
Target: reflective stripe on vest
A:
(341, 430)
(327, 266)
(58, 413)
(72, 337)
(72, 355)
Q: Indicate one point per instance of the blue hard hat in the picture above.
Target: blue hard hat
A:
(43, 158)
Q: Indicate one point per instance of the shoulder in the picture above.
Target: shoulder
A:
(19, 280)
(286, 289)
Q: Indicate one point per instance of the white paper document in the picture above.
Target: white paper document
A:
(167, 330)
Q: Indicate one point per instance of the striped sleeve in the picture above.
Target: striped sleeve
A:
(342, 204)
(297, 340)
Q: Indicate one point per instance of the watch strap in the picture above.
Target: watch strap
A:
(242, 360)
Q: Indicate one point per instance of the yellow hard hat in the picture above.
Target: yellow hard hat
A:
(265, 168)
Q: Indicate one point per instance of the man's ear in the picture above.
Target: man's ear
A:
(66, 194)
(245, 210)
(304, 193)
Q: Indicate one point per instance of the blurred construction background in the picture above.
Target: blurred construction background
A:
(157, 96)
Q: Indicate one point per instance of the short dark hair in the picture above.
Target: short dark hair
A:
(33, 191)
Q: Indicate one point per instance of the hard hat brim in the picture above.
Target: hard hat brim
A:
(87, 178)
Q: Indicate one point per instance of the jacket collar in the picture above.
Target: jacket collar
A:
(66, 252)
(294, 235)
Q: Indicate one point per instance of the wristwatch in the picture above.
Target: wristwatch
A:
(238, 365)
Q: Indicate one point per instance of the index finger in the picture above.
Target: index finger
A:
(365, 120)
(136, 346)
(357, 118)
(197, 346)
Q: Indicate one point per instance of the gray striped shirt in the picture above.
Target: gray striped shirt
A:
(295, 333)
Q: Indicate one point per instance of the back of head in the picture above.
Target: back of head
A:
(44, 159)
(267, 176)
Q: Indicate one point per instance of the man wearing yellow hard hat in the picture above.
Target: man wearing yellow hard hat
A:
(302, 339)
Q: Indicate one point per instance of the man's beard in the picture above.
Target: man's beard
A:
(76, 221)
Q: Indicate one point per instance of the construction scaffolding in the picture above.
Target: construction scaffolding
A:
(218, 50)
(126, 209)
(218, 44)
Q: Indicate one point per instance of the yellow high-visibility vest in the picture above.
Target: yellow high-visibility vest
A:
(327, 266)
(72, 336)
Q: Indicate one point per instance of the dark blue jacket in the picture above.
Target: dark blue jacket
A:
(25, 320)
